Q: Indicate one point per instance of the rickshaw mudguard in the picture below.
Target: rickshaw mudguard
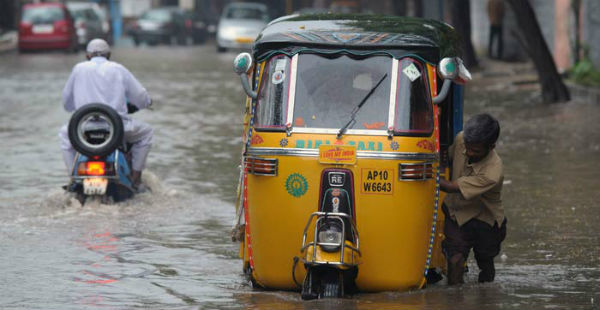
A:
(351, 258)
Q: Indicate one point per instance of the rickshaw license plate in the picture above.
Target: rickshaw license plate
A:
(95, 186)
(337, 154)
(377, 181)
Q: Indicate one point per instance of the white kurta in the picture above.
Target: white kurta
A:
(101, 81)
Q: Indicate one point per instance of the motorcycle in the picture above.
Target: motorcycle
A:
(102, 165)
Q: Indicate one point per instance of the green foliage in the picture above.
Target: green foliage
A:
(585, 73)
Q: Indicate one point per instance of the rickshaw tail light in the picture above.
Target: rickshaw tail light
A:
(261, 166)
(415, 171)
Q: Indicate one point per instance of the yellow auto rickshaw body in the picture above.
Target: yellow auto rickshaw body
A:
(393, 174)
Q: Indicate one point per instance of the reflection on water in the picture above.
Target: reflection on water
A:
(170, 249)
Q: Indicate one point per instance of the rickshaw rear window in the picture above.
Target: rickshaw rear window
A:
(329, 88)
(271, 111)
(414, 114)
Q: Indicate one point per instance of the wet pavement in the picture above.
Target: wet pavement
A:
(170, 249)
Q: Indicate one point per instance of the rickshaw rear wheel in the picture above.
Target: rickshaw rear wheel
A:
(249, 277)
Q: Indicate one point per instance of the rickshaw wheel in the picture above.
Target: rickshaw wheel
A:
(249, 277)
(323, 283)
(332, 284)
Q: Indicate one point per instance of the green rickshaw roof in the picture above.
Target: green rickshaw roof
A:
(430, 39)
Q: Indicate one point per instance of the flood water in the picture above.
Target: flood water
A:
(170, 249)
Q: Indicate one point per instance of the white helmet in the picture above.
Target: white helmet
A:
(97, 47)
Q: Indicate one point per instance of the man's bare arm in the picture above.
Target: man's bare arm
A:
(448, 186)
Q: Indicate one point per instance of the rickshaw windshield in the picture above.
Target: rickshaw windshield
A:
(329, 88)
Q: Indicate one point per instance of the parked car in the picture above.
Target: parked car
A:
(161, 25)
(240, 24)
(46, 26)
(196, 27)
(90, 22)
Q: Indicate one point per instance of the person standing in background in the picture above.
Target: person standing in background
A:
(495, 10)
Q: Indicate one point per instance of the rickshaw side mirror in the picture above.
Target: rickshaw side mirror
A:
(241, 65)
(448, 68)
(451, 69)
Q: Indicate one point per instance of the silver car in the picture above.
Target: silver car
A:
(240, 24)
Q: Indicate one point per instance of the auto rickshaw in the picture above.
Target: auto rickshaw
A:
(347, 124)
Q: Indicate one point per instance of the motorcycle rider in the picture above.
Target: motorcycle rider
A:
(99, 80)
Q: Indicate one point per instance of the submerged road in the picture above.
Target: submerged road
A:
(170, 249)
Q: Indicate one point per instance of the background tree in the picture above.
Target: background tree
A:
(461, 20)
(531, 38)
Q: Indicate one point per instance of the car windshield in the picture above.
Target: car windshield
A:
(234, 12)
(80, 13)
(157, 15)
(328, 89)
(42, 15)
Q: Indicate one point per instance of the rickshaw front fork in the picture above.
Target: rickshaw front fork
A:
(331, 258)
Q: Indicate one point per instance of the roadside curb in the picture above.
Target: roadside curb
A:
(584, 93)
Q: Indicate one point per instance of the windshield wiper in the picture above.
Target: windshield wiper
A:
(357, 108)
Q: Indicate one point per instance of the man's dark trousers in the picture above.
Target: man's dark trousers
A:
(483, 238)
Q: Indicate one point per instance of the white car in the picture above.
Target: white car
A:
(240, 24)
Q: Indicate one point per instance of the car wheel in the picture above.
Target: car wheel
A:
(221, 49)
(95, 130)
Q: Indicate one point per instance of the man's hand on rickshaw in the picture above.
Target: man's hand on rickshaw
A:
(449, 186)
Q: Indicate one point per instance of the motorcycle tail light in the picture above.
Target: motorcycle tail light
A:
(415, 171)
(261, 166)
(95, 168)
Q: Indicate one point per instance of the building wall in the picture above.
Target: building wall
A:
(591, 29)
(134, 8)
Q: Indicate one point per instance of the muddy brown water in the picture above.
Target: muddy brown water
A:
(170, 249)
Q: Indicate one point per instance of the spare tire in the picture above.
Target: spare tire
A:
(96, 130)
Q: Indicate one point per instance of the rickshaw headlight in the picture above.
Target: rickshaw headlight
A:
(332, 239)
